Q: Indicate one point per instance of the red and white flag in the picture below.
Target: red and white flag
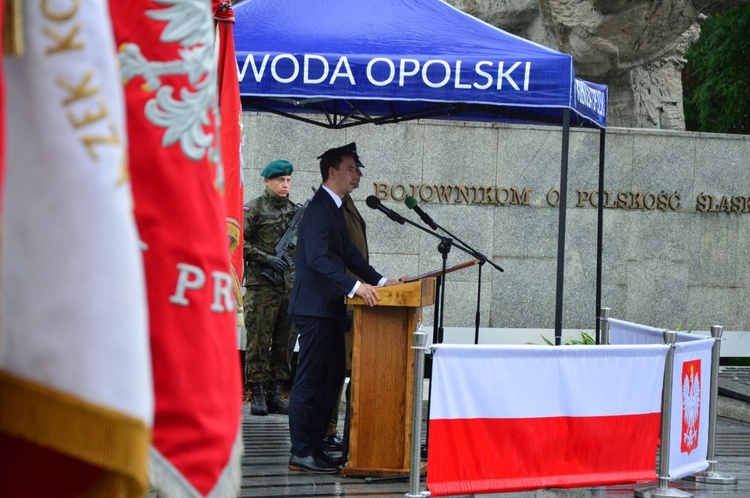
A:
(505, 418)
(166, 55)
(691, 387)
(76, 400)
(230, 110)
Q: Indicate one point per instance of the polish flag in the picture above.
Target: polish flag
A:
(508, 418)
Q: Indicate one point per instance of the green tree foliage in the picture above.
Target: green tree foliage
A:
(716, 79)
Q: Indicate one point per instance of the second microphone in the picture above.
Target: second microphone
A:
(411, 203)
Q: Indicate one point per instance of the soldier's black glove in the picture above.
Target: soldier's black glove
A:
(277, 264)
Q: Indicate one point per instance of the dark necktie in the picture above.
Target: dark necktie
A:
(341, 212)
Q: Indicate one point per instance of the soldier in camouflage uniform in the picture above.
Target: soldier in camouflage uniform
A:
(270, 333)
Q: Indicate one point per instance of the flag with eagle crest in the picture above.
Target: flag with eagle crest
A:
(691, 386)
(166, 55)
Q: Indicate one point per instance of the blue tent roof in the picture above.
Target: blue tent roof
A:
(382, 61)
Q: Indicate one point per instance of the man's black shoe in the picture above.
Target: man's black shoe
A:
(334, 442)
(335, 461)
(312, 464)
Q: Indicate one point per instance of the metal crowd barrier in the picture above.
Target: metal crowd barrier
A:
(663, 488)
(710, 475)
(415, 462)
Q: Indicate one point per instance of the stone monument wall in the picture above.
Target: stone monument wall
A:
(676, 226)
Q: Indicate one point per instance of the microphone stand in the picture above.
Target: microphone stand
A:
(444, 248)
(482, 260)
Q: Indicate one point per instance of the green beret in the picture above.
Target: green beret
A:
(277, 168)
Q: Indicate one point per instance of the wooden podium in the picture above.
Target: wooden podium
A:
(382, 379)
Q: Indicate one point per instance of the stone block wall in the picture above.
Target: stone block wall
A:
(668, 260)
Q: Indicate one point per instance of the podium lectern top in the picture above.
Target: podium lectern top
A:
(413, 295)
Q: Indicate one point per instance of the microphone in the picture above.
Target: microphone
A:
(374, 203)
(411, 203)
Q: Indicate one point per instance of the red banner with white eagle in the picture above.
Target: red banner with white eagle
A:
(166, 55)
(230, 110)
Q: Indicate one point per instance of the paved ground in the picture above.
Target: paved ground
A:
(265, 473)
(734, 382)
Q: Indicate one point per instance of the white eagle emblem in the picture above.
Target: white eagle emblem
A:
(691, 405)
(184, 115)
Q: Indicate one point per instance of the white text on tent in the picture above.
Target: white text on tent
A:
(314, 69)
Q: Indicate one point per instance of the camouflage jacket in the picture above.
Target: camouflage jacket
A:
(266, 219)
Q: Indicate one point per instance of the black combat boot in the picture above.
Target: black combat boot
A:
(276, 404)
(258, 402)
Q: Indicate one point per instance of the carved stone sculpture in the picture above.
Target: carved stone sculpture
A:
(636, 47)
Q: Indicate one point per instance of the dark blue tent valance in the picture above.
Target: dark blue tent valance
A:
(381, 61)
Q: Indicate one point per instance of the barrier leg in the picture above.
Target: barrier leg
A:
(710, 476)
(415, 461)
(604, 325)
(663, 489)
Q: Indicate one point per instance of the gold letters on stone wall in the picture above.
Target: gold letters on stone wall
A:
(521, 196)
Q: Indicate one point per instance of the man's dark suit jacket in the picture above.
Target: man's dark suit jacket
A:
(323, 253)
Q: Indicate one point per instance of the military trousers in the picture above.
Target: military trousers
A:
(271, 335)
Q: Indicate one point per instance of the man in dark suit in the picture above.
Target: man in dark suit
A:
(324, 252)
(356, 227)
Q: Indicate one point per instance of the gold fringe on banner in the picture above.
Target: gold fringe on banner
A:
(13, 28)
(115, 442)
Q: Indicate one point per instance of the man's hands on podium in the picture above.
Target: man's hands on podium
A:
(395, 281)
(370, 292)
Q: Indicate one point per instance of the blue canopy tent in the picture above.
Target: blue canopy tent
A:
(355, 62)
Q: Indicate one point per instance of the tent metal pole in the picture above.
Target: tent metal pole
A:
(562, 207)
(600, 233)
